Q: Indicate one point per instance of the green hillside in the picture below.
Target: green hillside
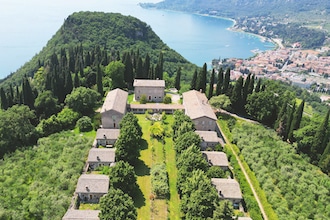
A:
(113, 32)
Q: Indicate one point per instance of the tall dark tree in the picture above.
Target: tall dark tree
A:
(72, 61)
(226, 81)
(139, 69)
(283, 122)
(320, 139)
(177, 79)
(245, 90)
(218, 90)
(201, 79)
(295, 124)
(68, 83)
(324, 162)
(28, 96)
(193, 81)
(290, 113)
(251, 85)
(146, 65)
(4, 101)
(160, 66)
(76, 80)
(99, 84)
(258, 86)
(211, 84)
(128, 74)
(236, 97)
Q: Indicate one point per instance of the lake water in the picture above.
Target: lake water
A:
(26, 26)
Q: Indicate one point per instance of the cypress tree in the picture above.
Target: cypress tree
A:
(290, 118)
(258, 86)
(219, 82)
(4, 101)
(71, 60)
(282, 126)
(245, 91)
(18, 96)
(193, 81)
(295, 124)
(320, 138)
(139, 69)
(202, 78)
(68, 83)
(128, 72)
(211, 84)
(160, 66)
(28, 97)
(76, 81)
(324, 162)
(251, 85)
(177, 79)
(147, 66)
(236, 97)
(226, 81)
(99, 83)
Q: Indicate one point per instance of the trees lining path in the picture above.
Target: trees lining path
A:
(245, 174)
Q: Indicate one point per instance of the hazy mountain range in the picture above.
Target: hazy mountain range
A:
(238, 8)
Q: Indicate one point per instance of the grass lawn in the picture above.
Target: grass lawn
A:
(89, 206)
(152, 153)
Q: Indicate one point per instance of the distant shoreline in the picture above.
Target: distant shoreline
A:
(231, 28)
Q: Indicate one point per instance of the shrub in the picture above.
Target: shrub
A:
(159, 181)
(167, 100)
(85, 124)
(143, 99)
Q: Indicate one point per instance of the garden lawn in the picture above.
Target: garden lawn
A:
(157, 152)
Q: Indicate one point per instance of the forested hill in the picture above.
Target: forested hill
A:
(113, 32)
(239, 8)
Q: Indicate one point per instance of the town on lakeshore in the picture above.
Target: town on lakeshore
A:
(308, 69)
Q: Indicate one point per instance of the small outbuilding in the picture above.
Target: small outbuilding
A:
(74, 214)
(101, 157)
(216, 158)
(154, 90)
(228, 189)
(209, 139)
(106, 137)
(91, 187)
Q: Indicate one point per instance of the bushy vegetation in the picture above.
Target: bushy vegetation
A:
(294, 188)
(38, 182)
(159, 181)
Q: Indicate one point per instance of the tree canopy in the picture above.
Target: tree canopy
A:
(117, 205)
